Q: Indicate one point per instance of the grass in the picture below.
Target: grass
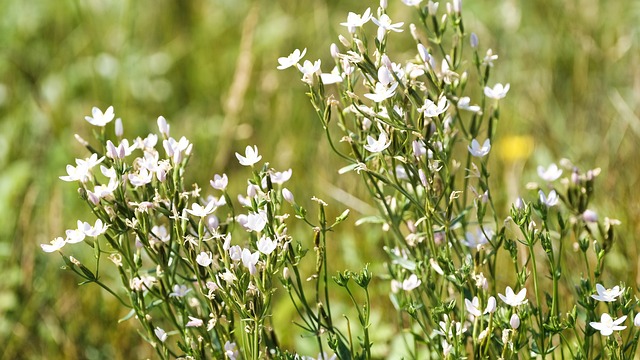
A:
(209, 67)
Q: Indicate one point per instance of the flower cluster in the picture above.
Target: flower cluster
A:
(193, 265)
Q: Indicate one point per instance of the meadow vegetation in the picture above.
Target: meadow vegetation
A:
(209, 67)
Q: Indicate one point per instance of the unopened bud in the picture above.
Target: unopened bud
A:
(383, 4)
(287, 195)
(344, 41)
(334, 50)
(285, 273)
(514, 321)
(163, 126)
(474, 40)
(433, 8)
(414, 31)
(119, 129)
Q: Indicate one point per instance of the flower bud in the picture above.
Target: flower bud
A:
(636, 320)
(163, 126)
(287, 195)
(414, 31)
(344, 41)
(383, 4)
(119, 129)
(433, 8)
(334, 50)
(285, 273)
(457, 6)
(590, 216)
(474, 40)
(514, 321)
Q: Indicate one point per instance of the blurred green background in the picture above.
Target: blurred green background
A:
(209, 66)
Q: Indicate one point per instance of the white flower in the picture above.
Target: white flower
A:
(99, 118)
(463, 104)
(177, 149)
(121, 151)
(376, 146)
(82, 172)
(278, 177)
(160, 233)
(250, 157)
(201, 211)
(140, 178)
(219, 182)
(430, 109)
(55, 245)
(590, 216)
(381, 92)
(204, 259)
(607, 325)
(551, 200)
(249, 260)
(179, 291)
(235, 253)
(473, 307)
(291, 60)
(334, 77)
(94, 231)
(354, 20)
(385, 24)
(411, 283)
(512, 299)
(497, 92)
(607, 295)
(74, 236)
(489, 58)
(161, 334)
(309, 68)
(479, 151)
(266, 245)
(552, 173)
(194, 322)
(254, 221)
(230, 350)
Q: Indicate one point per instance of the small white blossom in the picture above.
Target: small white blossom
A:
(497, 92)
(194, 322)
(204, 259)
(98, 118)
(412, 2)
(430, 109)
(479, 151)
(179, 291)
(163, 126)
(552, 173)
(251, 156)
(291, 60)
(266, 245)
(161, 334)
(464, 104)
(607, 325)
(411, 283)
(254, 221)
(381, 92)
(231, 351)
(473, 306)
(607, 295)
(551, 200)
(201, 211)
(55, 245)
(219, 182)
(376, 146)
(249, 260)
(512, 299)
(355, 20)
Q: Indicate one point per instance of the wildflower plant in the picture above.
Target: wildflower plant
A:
(418, 127)
(199, 268)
